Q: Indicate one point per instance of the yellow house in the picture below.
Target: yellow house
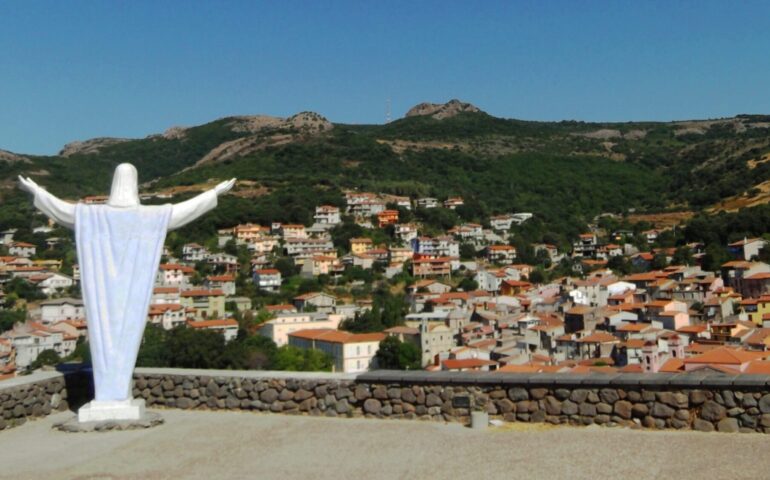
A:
(757, 309)
(207, 303)
(360, 245)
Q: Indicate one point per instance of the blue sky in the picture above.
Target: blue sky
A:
(80, 69)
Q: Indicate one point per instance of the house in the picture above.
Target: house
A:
(226, 326)
(453, 202)
(174, 275)
(750, 279)
(60, 309)
(316, 301)
(31, 339)
(550, 250)
(249, 232)
(597, 345)
(223, 262)
(501, 254)
(263, 245)
(226, 283)
(51, 283)
(444, 246)
(192, 252)
(585, 246)
(167, 315)
(291, 231)
(327, 215)
(205, 303)
(305, 247)
(428, 266)
(267, 279)
(165, 295)
(278, 329)
(747, 249)
(351, 352)
(399, 255)
(427, 202)
(22, 249)
(6, 236)
(501, 223)
(322, 265)
(387, 217)
(724, 359)
(406, 232)
(468, 231)
(579, 317)
(360, 245)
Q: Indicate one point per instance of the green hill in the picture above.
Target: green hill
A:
(564, 172)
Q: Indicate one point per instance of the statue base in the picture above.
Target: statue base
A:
(102, 411)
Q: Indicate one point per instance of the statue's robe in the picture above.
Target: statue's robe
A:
(119, 250)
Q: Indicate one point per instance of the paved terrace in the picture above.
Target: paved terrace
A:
(207, 444)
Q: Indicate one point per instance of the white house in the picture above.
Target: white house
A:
(51, 283)
(22, 249)
(279, 328)
(227, 327)
(59, 309)
(327, 215)
(351, 352)
(267, 279)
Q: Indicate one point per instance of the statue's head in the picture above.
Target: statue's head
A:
(125, 191)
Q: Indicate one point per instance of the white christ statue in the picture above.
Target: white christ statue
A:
(119, 247)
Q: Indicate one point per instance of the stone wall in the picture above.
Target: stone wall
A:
(31, 396)
(704, 402)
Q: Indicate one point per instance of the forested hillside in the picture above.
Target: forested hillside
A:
(564, 172)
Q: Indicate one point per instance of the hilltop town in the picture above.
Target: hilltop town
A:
(369, 285)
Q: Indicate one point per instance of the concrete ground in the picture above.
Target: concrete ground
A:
(214, 445)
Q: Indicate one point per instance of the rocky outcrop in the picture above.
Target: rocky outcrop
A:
(89, 146)
(440, 111)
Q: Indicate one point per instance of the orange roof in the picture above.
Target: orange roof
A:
(267, 271)
(176, 266)
(224, 322)
(221, 278)
(726, 356)
(466, 363)
(759, 276)
(672, 365)
(633, 327)
(758, 367)
(277, 308)
(692, 329)
(599, 337)
(165, 290)
(519, 369)
(634, 343)
(202, 293)
(337, 336)
(631, 368)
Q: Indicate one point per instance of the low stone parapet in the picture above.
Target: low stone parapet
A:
(705, 402)
(31, 396)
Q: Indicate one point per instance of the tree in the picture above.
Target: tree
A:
(46, 357)
(296, 359)
(8, 318)
(393, 354)
(467, 284)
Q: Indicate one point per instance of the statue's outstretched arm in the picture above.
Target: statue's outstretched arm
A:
(56, 209)
(185, 212)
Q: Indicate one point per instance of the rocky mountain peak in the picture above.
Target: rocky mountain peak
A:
(440, 111)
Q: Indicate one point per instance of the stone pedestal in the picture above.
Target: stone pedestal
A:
(479, 420)
(101, 411)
